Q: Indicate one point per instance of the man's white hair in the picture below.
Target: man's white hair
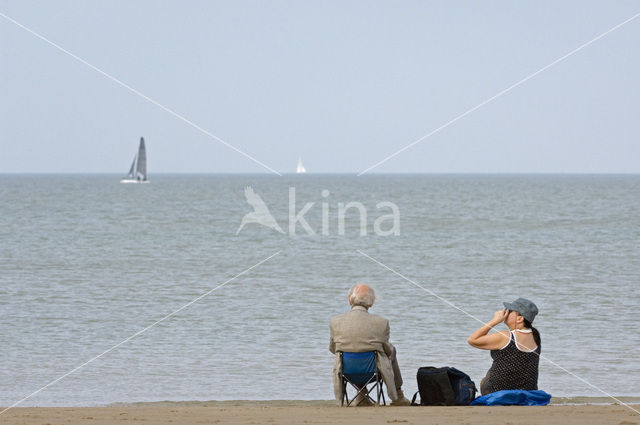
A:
(362, 295)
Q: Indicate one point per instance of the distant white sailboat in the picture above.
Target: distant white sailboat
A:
(300, 168)
(138, 171)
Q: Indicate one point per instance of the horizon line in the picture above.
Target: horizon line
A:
(341, 173)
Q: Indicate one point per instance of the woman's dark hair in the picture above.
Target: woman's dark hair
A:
(536, 334)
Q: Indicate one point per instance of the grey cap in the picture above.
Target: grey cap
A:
(526, 308)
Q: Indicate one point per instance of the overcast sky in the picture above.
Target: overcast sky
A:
(341, 84)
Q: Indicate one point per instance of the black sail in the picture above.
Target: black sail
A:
(141, 170)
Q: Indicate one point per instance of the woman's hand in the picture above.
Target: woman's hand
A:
(498, 317)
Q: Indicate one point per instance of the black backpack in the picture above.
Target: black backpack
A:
(444, 386)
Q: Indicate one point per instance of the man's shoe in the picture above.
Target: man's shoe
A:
(401, 400)
(362, 401)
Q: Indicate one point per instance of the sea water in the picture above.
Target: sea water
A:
(87, 263)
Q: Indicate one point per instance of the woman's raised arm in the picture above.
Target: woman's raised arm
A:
(495, 341)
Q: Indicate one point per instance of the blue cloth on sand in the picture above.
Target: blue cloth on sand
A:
(513, 398)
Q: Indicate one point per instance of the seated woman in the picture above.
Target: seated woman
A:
(515, 353)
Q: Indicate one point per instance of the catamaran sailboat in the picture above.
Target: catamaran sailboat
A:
(138, 170)
(300, 168)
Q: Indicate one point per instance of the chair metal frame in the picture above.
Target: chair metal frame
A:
(375, 383)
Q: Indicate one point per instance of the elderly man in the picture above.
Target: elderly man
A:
(358, 331)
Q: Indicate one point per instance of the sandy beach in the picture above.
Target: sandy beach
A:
(316, 412)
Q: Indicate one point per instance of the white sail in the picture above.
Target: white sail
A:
(300, 168)
(130, 175)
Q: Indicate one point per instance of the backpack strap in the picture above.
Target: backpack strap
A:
(413, 400)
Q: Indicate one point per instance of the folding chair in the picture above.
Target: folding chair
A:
(359, 370)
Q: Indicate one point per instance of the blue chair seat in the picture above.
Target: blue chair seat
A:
(359, 368)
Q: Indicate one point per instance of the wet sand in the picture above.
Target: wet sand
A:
(319, 412)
